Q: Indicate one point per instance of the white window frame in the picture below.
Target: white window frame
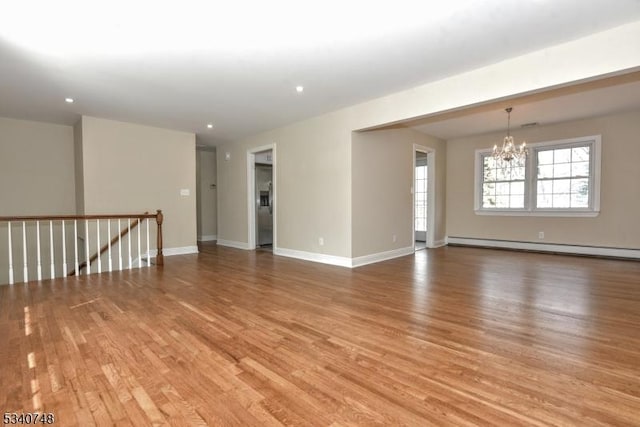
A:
(531, 181)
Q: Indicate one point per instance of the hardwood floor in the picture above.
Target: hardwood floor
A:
(450, 336)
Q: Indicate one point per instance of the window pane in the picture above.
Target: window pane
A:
(580, 169)
(579, 201)
(562, 156)
(562, 186)
(545, 171)
(517, 188)
(419, 173)
(517, 201)
(420, 186)
(488, 189)
(489, 202)
(502, 201)
(562, 170)
(580, 186)
(561, 201)
(545, 157)
(489, 174)
(545, 187)
(517, 173)
(489, 162)
(580, 154)
(502, 188)
(502, 174)
(544, 201)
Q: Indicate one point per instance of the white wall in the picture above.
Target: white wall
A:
(312, 186)
(315, 174)
(130, 168)
(36, 178)
(382, 203)
(36, 168)
(616, 225)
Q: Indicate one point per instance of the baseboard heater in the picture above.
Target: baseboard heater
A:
(582, 250)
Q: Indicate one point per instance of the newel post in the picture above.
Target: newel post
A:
(159, 256)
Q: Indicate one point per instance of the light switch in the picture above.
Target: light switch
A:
(184, 192)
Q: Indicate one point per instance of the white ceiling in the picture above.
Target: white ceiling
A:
(236, 64)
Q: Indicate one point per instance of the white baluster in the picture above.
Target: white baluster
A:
(148, 259)
(75, 246)
(129, 239)
(10, 254)
(86, 246)
(98, 246)
(119, 245)
(53, 263)
(139, 255)
(38, 248)
(109, 240)
(25, 273)
(64, 250)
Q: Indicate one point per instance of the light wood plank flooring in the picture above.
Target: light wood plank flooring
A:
(451, 336)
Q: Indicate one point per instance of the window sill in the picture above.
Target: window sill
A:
(549, 213)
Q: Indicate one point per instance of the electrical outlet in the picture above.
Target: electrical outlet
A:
(394, 238)
(321, 241)
(541, 235)
(185, 192)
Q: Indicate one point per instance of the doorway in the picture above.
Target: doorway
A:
(420, 200)
(423, 197)
(261, 190)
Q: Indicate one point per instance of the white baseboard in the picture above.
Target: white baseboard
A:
(313, 256)
(440, 243)
(207, 238)
(184, 250)
(548, 247)
(381, 256)
(343, 261)
(233, 244)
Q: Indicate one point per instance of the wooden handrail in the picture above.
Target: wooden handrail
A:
(76, 217)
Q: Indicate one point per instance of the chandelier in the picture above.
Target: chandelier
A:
(509, 151)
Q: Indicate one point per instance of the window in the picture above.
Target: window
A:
(560, 178)
(421, 199)
(563, 174)
(502, 185)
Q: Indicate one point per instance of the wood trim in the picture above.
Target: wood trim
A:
(75, 217)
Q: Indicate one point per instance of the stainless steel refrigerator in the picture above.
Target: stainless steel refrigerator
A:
(264, 204)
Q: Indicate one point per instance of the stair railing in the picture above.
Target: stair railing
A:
(73, 236)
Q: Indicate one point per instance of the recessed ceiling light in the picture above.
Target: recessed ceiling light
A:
(68, 100)
(210, 126)
(299, 89)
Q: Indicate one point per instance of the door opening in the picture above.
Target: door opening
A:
(264, 204)
(420, 200)
(261, 190)
(424, 198)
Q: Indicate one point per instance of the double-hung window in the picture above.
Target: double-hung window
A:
(557, 178)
